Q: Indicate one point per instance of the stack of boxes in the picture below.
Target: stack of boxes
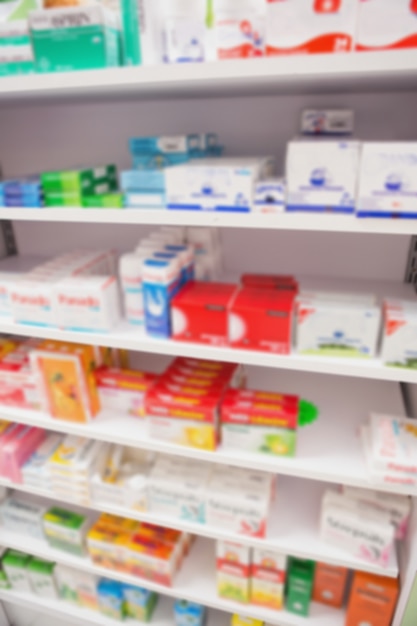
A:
(89, 187)
(36, 472)
(66, 530)
(152, 157)
(21, 192)
(17, 444)
(183, 406)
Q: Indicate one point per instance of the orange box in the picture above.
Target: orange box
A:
(65, 375)
(372, 600)
(329, 584)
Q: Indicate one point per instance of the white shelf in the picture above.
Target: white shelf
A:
(195, 582)
(293, 526)
(291, 74)
(163, 615)
(328, 450)
(314, 222)
(130, 338)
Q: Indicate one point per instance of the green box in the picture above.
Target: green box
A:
(105, 200)
(132, 54)
(19, 68)
(75, 38)
(139, 604)
(86, 181)
(300, 580)
(15, 565)
(65, 530)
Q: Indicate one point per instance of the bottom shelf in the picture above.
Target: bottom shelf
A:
(195, 582)
(163, 616)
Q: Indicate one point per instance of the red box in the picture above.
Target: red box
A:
(258, 413)
(262, 319)
(199, 312)
(270, 281)
(256, 395)
(162, 403)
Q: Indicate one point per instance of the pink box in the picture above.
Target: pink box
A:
(17, 444)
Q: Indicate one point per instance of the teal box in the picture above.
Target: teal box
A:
(75, 38)
(132, 54)
(20, 67)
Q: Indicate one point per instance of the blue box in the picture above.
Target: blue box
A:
(19, 186)
(189, 614)
(143, 180)
(175, 144)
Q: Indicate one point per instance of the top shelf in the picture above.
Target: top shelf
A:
(360, 72)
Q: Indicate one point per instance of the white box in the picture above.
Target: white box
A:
(24, 516)
(270, 196)
(399, 337)
(36, 470)
(365, 534)
(322, 175)
(388, 180)
(76, 458)
(32, 301)
(310, 26)
(339, 327)
(384, 24)
(220, 184)
(87, 303)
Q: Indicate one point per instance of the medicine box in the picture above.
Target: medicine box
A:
(139, 604)
(17, 448)
(336, 325)
(233, 571)
(387, 183)
(399, 335)
(189, 613)
(392, 444)
(200, 312)
(110, 599)
(35, 471)
(372, 600)
(322, 174)
(65, 378)
(307, 27)
(66, 581)
(216, 184)
(270, 196)
(23, 516)
(238, 620)
(300, 578)
(123, 390)
(41, 577)
(268, 574)
(65, 530)
(261, 319)
(87, 303)
(174, 144)
(15, 565)
(330, 584)
(384, 25)
(259, 424)
(75, 38)
(82, 182)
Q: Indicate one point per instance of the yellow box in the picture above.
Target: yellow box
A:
(237, 620)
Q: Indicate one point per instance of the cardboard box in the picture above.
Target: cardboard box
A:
(330, 584)
(322, 174)
(268, 574)
(233, 571)
(310, 27)
(372, 600)
(399, 334)
(388, 179)
(200, 312)
(270, 281)
(41, 577)
(299, 586)
(75, 38)
(270, 196)
(15, 565)
(385, 25)
(216, 184)
(261, 319)
(123, 390)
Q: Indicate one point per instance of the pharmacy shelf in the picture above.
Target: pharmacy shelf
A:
(328, 450)
(293, 525)
(279, 221)
(291, 74)
(195, 582)
(130, 338)
(163, 615)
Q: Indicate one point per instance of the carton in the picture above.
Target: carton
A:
(299, 586)
(310, 27)
(199, 312)
(17, 447)
(268, 578)
(75, 38)
(66, 580)
(189, 613)
(41, 577)
(261, 319)
(110, 599)
(399, 334)
(139, 603)
(387, 182)
(23, 516)
(233, 571)
(270, 281)
(270, 196)
(65, 530)
(123, 390)
(372, 600)
(330, 584)
(15, 565)
(35, 471)
(322, 174)
(216, 184)
(385, 25)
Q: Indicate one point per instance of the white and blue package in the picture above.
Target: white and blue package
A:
(160, 282)
(175, 144)
(186, 254)
(189, 613)
(322, 175)
(143, 180)
(270, 196)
